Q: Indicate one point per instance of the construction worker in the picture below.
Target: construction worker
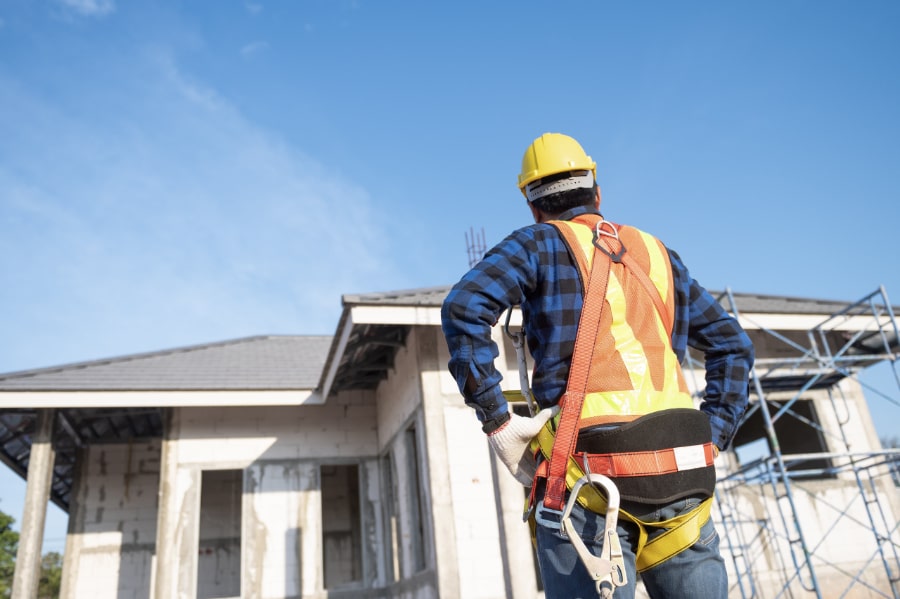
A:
(608, 313)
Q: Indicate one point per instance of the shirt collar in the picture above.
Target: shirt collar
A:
(577, 211)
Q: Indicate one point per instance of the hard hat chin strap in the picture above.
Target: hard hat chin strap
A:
(578, 180)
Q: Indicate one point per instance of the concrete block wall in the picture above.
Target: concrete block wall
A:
(282, 529)
(403, 435)
(280, 451)
(111, 538)
(343, 427)
(400, 395)
(493, 543)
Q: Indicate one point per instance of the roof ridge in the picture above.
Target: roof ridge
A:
(359, 297)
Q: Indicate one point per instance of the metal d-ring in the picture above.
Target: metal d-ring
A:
(612, 233)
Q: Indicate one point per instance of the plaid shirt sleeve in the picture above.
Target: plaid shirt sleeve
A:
(704, 325)
(473, 307)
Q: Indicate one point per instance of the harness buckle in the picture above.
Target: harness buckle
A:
(539, 512)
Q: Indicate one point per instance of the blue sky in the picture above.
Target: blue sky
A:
(174, 173)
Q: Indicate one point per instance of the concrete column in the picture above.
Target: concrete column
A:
(37, 494)
(177, 528)
(166, 572)
(441, 533)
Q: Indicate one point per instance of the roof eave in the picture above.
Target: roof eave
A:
(42, 398)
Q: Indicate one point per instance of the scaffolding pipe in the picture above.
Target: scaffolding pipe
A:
(782, 470)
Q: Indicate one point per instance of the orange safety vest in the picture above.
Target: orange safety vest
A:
(629, 376)
(634, 370)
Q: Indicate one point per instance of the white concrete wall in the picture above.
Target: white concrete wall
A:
(400, 409)
(493, 543)
(235, 437)
(112, 523)
(463, 546)
(282, 529)
(280, 450)
(400, 394)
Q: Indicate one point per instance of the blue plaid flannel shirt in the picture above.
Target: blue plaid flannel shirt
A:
(532, 268)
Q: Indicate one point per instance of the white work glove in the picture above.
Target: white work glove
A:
(510, 442)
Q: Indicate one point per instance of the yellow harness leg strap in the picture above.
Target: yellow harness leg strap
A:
(680, 532)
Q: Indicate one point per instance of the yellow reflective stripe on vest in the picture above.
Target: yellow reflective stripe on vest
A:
(585, 236)
(636, 402)
(659, 267)
(681, 531)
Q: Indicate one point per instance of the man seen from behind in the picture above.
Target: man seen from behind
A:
(608, 312)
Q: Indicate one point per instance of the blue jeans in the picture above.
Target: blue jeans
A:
(696, 573)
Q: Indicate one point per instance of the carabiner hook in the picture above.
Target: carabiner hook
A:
(607, 569)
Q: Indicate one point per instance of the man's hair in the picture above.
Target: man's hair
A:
(559, 202)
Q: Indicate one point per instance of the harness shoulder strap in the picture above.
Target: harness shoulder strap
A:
(572, 400)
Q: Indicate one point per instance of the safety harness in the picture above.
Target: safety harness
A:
(565, 464)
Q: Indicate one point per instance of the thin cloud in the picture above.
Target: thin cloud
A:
(90, 8)
(181, 223)
(254, 8)
(254, 48)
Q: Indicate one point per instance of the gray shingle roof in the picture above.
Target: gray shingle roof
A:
(424, 297)
(251, 363)
(279, 362)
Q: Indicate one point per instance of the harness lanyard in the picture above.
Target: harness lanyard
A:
(573, 399)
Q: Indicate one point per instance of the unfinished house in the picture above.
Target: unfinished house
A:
(348, 466)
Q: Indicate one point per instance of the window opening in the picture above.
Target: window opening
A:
(219, 547)
(797, 431)
(417, 532)
(341, 527)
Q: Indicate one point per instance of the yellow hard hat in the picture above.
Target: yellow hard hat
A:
(550, 154)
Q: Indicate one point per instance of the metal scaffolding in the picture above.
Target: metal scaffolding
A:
(818, 523)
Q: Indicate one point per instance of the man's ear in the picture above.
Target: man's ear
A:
(537, 214)
(597, 198)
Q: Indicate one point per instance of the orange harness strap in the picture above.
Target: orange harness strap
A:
(573, 399)
(649, 463)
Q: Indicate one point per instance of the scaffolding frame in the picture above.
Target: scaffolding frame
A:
(788, 487)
